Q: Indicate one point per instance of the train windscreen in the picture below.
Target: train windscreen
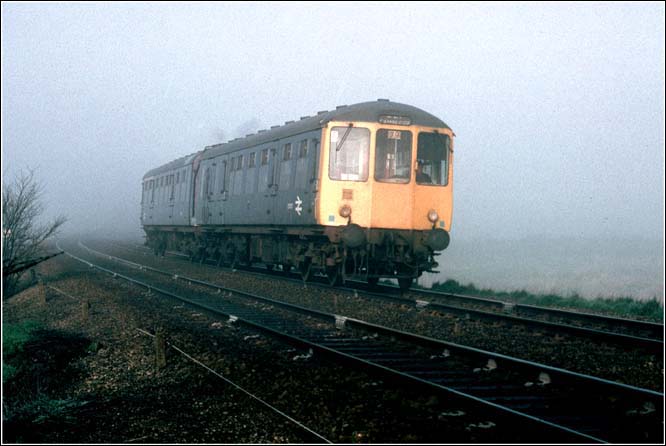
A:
(348, 158)
(393, 156)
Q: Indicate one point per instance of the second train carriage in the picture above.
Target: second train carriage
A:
(363, 191)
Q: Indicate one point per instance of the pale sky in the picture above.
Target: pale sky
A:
(558, 108)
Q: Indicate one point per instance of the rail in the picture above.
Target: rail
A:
(565, 407)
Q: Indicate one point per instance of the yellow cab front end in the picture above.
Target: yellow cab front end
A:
(386, 190)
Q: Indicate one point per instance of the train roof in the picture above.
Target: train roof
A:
(362, 112)
(172, 165)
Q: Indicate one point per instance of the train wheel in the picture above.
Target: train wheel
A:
(305, 268)
(405, 283)
(334, 275)
(373, 281)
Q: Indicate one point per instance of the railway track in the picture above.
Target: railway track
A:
(567, 406)
(631, 327)
(629, 333)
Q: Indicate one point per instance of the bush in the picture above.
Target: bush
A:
(8, 372)
(45, 409)
(14, 336)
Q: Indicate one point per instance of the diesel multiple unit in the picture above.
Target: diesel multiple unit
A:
(363, 191)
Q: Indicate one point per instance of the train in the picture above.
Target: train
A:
(361, 192)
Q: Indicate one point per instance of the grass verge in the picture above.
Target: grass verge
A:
(39, 364)
(627, 307)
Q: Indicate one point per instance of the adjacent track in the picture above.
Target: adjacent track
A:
(631, 327)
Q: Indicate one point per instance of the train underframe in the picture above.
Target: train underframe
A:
(339, 253)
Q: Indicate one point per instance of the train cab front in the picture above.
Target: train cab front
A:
(386, 195)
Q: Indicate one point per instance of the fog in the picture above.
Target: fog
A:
(558, 108)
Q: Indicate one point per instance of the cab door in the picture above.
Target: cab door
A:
(274, 185)
(147, 203)
(288, 208)
(223, 189)
(171, 197)
(205, 194)
(195, 190)
(304, 186)
(265, 183)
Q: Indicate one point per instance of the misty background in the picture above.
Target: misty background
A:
(558, 111)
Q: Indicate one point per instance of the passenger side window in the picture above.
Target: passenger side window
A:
(303, 150)
(223, 177)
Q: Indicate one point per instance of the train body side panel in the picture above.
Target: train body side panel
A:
(167, 200)
(295, 181)
(269, 190)
(181, 210)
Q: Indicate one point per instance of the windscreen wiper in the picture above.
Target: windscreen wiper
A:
(344, 137)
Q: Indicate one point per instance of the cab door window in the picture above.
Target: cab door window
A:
(349, 152)
(393, 156)
(432, 159)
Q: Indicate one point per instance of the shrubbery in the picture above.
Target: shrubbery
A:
(14, 337)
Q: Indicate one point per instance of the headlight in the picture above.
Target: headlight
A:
(433, 216)
(345, 211)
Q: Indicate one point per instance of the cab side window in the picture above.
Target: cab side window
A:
(432, 159)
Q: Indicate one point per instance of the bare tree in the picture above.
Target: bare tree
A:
(22, 234)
